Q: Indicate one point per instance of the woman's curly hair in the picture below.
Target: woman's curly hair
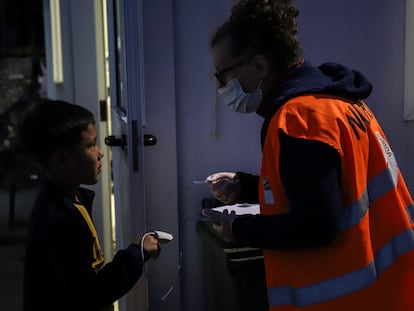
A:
(266, 27)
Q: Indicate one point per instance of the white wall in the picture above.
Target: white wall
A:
(365, 35)
(210, 138)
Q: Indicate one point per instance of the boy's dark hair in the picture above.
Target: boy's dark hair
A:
(51, 125)
(266, 27)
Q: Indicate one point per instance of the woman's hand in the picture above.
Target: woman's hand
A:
(225, 187)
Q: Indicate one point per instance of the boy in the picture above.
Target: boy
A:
(64, 266)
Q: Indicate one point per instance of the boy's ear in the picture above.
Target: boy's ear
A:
(59, 158)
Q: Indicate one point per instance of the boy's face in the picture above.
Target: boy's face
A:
(85, 163)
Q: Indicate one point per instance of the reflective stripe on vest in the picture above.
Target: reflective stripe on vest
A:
(347, 283)
(359, 279)
(377, 186)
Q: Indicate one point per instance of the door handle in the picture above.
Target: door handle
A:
(150, 140)
(113, 141)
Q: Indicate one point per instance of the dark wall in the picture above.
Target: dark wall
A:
(21, 27)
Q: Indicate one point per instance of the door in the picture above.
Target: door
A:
(145, 166)
(125, 139)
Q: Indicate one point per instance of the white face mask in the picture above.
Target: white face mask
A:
(232, 94)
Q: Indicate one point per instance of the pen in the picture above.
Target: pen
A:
(197, 182)
(213, 181)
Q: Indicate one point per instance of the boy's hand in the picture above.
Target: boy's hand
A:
(151, 245)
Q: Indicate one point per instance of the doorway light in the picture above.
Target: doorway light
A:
(56, 41)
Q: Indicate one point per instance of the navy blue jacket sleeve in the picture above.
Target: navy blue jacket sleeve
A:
(310, 173)
(249, 185)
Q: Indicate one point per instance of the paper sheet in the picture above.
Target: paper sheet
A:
(240, 209)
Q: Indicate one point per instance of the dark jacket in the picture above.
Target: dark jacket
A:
(58, 274)
(314, 198)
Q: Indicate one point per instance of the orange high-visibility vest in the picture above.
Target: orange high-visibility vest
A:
(370, 265)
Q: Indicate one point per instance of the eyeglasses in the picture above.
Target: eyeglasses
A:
(220, 74)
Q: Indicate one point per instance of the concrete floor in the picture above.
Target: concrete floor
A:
(12, 246)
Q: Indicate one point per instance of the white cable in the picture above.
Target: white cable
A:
(168, 292)
(143, 254)
(200, 218)
(176, 278)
